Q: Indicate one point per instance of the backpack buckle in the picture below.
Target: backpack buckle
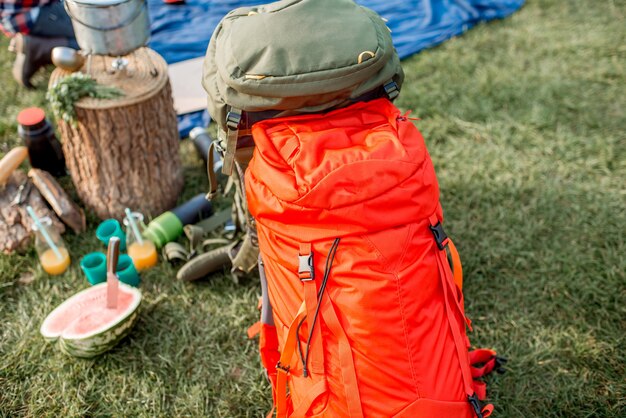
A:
(473, 400)
(440, 235)
(233, 118)
(281, 367)
(499, 365)
(392, 90)
(305, 267)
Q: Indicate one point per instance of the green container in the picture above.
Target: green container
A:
(163, 229)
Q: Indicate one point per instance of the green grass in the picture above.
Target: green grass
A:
(525, 121)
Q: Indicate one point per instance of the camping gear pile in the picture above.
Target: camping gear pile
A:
(336, 203)
(362, 306)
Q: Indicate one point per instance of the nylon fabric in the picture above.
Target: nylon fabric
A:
(392, 318)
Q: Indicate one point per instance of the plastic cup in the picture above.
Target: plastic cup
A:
(111, 228)
(94, 266)
(126, 271)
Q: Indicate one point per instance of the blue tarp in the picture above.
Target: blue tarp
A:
(181, 32)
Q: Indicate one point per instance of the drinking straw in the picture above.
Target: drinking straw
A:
(44, 232)
(133, 226)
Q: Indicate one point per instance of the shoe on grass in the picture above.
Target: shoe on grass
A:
(33, 52)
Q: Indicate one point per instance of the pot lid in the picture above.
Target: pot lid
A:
(97, 3)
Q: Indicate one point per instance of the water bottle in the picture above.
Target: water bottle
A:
(44, 149)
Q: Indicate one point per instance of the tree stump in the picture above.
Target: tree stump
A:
(124, 152)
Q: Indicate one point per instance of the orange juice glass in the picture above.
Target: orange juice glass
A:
(53, 262)
(144, 254)
(142, 251)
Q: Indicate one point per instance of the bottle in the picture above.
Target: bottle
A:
(143, 253)
(202, 141)
(53, 262)
(169, 225)
(44, 149)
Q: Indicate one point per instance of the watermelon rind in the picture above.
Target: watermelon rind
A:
(100, 340)
(96, 345)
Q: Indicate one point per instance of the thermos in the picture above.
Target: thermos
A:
(202, 141)
(44, 149)
(169, 225)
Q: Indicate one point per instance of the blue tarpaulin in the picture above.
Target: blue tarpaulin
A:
(181, 32)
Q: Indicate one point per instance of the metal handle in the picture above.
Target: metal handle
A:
(126, 22)
(113, 254)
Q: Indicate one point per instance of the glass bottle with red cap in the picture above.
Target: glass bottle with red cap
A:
(44, 149)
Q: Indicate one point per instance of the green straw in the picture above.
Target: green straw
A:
(133, 226)
(44, 232)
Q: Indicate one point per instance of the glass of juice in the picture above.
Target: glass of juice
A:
(53, 260)
(141, 250)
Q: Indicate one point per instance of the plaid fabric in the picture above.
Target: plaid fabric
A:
(19, 16)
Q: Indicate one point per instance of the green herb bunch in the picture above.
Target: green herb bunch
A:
(74, 87)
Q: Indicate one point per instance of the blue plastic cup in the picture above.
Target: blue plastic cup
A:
(126, 271)
(94, 266)
(111, 228)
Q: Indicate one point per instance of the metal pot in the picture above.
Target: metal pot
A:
(109, 27)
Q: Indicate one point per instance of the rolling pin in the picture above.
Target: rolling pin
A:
(10, 162)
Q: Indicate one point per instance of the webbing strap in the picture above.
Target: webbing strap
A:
(316, 364)
(283, 368)
(284, 364)
(210, 170)
(436, 228)
(448, 286)
(457, 267)
(485, 357)
(232, 133)
(454, 327)
(348, 371)
(480, 388)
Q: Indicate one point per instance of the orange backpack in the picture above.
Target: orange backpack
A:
(364, 286)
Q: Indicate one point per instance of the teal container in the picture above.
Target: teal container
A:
(126, 271)
(111, 228)
(94, 265)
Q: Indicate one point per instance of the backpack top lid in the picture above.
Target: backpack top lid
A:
(297, 56)
(363, 168)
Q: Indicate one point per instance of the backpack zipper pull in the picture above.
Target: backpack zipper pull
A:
(406, 116)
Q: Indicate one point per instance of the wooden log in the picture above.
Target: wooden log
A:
(15, 224)
(124, 152)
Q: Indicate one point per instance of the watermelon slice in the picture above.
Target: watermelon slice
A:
(85, 327)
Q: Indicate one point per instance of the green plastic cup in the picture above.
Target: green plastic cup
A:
(126, 271)
(94, 265)
(111, 228)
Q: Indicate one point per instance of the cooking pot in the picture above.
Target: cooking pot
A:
(109, 27)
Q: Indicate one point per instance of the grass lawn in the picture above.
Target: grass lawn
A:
(525, 120)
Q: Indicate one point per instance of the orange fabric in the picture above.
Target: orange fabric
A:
(427, 408)
(391, 319)
(482, 361)
(457, 267)
(254, 330)
(268, 348)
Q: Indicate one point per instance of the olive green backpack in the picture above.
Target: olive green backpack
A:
(287, 58)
